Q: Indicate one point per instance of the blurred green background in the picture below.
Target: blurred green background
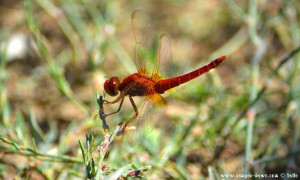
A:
(241, 118)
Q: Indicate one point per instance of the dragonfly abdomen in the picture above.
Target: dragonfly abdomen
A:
(164, 85)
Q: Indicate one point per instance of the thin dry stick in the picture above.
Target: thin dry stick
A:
(102, 115)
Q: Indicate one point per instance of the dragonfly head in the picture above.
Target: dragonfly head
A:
(111, 86)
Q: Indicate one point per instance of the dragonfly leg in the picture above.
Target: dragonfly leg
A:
(119, 108)
(124, 125)
(114, 101)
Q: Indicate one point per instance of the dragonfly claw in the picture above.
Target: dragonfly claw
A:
(121, 130)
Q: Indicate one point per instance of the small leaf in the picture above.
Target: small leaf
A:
(82, 151)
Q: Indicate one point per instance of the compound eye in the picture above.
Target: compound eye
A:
(111, 86)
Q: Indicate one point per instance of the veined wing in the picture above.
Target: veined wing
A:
(164, 55)
(146, 43)
(150, 114)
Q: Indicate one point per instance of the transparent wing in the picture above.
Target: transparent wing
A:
(150, 114)
(146, 43)
(164, 54)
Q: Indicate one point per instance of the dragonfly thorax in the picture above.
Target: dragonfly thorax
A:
(137, 85)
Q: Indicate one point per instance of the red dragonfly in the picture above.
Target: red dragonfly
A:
(150, 51)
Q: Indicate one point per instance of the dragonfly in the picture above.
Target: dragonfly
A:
(150, 51)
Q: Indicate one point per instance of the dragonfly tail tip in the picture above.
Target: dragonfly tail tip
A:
(222, 58)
